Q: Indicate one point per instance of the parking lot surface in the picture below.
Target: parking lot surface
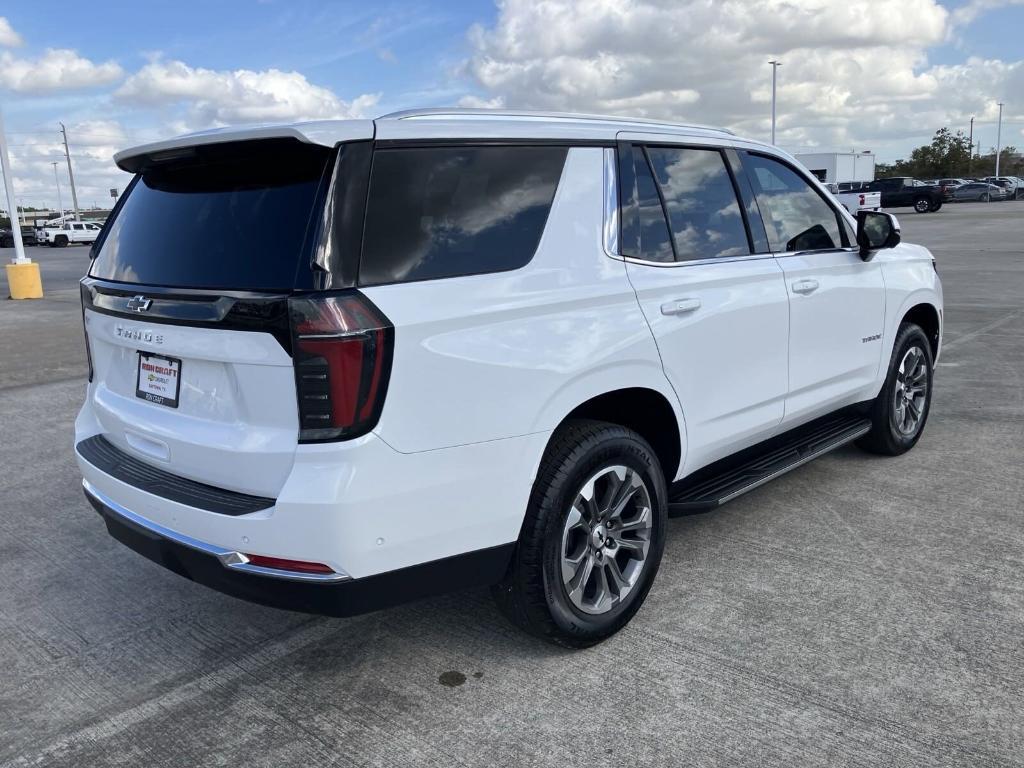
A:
(859, 610)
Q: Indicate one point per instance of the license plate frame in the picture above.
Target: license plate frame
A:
(163, 379)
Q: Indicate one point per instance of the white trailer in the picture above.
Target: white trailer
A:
(834, 167)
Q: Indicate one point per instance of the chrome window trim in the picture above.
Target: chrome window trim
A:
(236, 561)
(611, 204)
(696, 262)
(787, 254)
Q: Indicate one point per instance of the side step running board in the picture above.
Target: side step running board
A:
(724, 480)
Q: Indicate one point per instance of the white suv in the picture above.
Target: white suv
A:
(339, 365)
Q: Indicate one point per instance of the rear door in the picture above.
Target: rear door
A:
(186, 311)
(836, 299)
(711, 291)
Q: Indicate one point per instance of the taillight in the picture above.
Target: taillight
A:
(862, 201)
(341, 344)
(85, 330)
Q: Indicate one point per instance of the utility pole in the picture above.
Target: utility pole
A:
(775, 68)
(970, 153)
(999, 137)
(60, 202)
(71, 174)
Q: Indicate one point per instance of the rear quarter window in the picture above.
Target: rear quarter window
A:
(435, 212)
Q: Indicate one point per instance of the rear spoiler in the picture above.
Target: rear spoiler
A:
(326, 133)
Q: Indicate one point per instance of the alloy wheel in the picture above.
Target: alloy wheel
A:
(606, 539)
(911, 391)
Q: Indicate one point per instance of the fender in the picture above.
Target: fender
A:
(613, 376)
(910, 280)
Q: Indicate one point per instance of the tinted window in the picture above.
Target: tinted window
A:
(796, 217)
(655, 241)
(226, 216)
(701, 202)
(449, 211)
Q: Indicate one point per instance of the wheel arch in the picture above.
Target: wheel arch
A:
(648, 412)
(926, 315)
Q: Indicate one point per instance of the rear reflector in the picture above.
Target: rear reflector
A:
(342, 349)
(283, 564)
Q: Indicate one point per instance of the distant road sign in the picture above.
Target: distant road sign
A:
(113, 193)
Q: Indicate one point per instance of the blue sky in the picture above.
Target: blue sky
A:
(877, 74)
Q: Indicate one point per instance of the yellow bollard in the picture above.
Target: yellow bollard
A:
(24, 281)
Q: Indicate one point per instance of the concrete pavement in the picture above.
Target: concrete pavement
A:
(858, 611)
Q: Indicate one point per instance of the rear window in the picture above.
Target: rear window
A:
(447, 211)
(231, 216)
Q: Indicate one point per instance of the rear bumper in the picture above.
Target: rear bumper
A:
(334, 595)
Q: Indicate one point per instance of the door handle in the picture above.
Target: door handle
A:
(680, 306)
(805, 286)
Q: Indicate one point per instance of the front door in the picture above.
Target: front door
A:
(836, 299)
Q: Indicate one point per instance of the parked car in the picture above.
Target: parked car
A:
(856, 201)
(452, 348)
(28, 236)
(68, 233)
(1009, 183)
(980, 192)
(903, 191)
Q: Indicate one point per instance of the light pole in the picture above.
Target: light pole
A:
(970, 152)
(775, 68)
(12, 206)
(60, 203)
(999, 137)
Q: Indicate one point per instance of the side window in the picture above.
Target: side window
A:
(796, 216)
(701, 203)
(655, 241)
(449, 211)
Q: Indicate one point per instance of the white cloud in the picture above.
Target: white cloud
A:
(8, 37)
(220, 97)
(968, 12)
(855, 73)
(57, 69)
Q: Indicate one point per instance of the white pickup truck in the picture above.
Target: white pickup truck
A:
(856, 200)
(60, 235)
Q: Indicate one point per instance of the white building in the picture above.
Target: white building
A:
(840, 166)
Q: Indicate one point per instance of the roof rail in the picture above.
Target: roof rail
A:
(526, 114)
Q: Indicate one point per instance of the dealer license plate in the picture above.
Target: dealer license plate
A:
(159, 379)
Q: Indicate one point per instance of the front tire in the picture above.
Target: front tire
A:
(899, 413)
(922, 205)
(592, 539)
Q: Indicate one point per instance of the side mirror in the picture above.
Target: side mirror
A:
(876, 230)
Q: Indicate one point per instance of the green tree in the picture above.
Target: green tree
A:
(948, 154)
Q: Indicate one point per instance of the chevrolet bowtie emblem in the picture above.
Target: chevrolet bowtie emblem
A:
(139, 303)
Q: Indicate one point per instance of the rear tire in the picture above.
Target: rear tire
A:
(61, 241)
(899, 413)
(581, 569)
(935, 207)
